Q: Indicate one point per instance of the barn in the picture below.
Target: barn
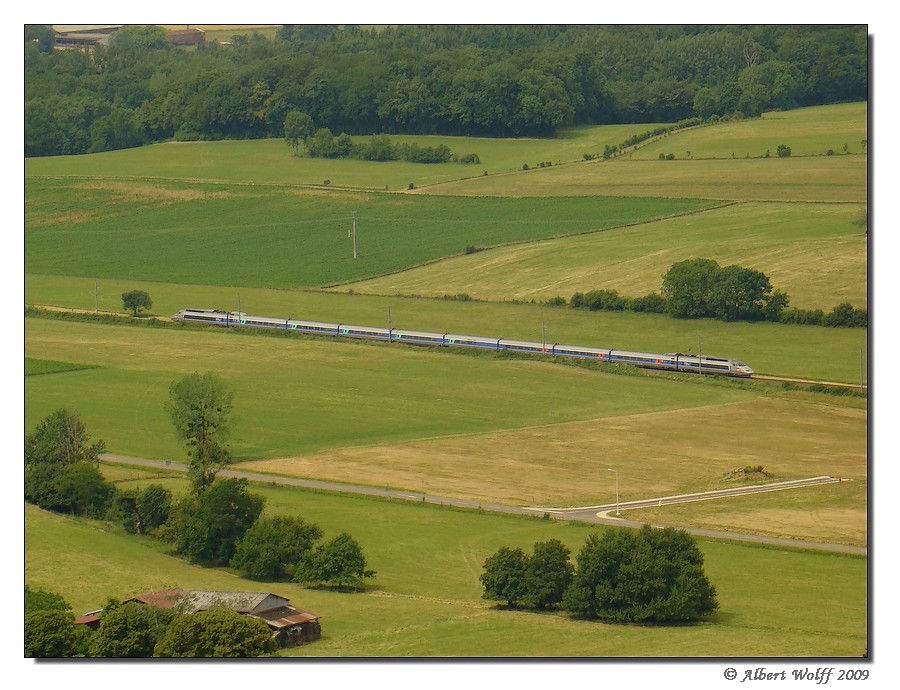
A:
(290, 626)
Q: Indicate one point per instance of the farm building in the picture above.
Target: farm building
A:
(84, 36)
(290, 626)
(186, 37)
(89, 36)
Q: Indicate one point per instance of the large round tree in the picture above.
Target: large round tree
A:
(645, 575)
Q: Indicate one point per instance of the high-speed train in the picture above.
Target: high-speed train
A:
(672, 361)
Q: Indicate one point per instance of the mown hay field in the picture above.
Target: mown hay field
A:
(816, 253)
(812, 178)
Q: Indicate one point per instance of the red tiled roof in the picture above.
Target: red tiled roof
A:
(87, 618)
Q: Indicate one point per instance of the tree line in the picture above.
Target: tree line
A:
(220, 522)
(469, 80)
(701, 288)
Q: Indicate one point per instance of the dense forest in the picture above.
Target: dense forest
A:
(460, 80)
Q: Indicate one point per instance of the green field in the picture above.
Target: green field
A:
(425, 600)
(271, 161)
(246, 225)
(813, 252)
(305, 395)
(775, 349)
(274, 237)
(807, 131)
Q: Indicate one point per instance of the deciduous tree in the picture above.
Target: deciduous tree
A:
(200, 405)
(49, 634)
(297, 127)
(216, 633)
(646, 575)
(686, 287)
(134, 300)
(503, 578)
(61, 438)
(339, 562)
(208, 526)
(271, 548)
(130, 630)
(548, 573)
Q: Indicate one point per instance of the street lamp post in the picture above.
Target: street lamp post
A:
(617, 488)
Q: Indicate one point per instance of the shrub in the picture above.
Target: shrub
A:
(79, 488)
(653, 303)
(812, 317)
(783, 151)
(846, 315)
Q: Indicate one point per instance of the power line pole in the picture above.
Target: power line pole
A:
(861, 386)
(96, 296)
(700, 356)
(354, 235)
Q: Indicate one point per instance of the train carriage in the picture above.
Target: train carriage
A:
(671, 361)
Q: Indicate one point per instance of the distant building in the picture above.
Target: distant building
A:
(83, 36)
(186, 37)
(290, 626)
(89, 36)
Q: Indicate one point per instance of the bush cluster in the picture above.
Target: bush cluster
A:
(625, 576)
(611, 300)
(323, 144)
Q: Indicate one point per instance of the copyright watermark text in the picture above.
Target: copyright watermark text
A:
(813, 676)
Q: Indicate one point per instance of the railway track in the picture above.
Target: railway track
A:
(808, 383)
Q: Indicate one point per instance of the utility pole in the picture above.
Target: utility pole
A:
(353, 231)
(861, 387)
(700, 356)
(543, 338)
(96, 296)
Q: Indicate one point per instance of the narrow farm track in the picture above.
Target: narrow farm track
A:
(592, 514)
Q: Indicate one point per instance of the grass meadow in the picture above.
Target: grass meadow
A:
(807, 131)
(279, 238)
(425, 600)
(816, 253)
(229, 224)
(813, 178)
(305, 395)
(272, 161)
(770, 348)
(385, 415)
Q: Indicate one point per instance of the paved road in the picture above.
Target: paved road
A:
(593, 514)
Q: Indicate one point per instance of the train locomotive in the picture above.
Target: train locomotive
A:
(672, 361)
